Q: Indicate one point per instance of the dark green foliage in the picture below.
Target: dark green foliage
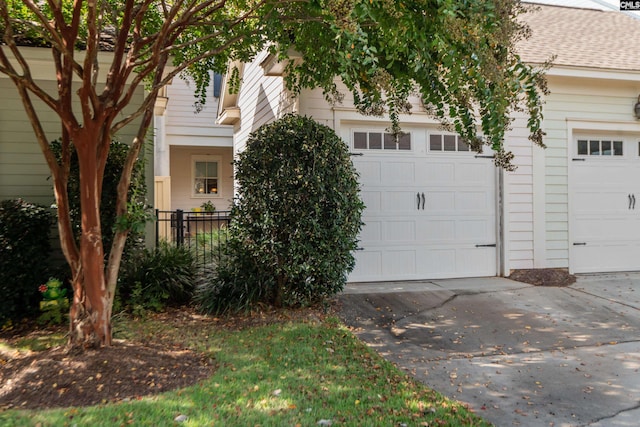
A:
(156, 278)
(295, 222)
(24, 251)
(137, 193)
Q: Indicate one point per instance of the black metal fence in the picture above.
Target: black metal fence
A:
(202, 232)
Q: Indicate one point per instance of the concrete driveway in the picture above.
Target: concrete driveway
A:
(518, 355)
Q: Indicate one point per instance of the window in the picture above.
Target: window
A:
(381, 141)
(597, 147)
(206, 175)
(451, 143)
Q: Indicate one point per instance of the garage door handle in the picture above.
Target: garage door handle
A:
(418, 195)
(632, 201)
(423, 200)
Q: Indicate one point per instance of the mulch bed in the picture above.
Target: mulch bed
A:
(544, 277)
(53, 378)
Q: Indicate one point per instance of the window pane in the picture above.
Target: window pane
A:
(212, 169)
(617, 148)
(199, 186)
(405, 142)
(201, 169)
(435, 142)
(594, 148)
(389, 142)
(212, 186)
(360, 140)
(583, 148)
(606, 148)
(462, 145)
(375, 141)
(449, 143)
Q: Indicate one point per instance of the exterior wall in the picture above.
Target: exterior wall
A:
(182, 112)
(182, 132)
(181, 179)
(23, 170)
(518, 200)
(575, 104)
(263, 99)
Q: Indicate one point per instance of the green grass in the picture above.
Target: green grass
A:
(291, 374)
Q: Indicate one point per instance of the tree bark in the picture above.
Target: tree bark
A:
(90, 314)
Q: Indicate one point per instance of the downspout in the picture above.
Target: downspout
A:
(500, 223)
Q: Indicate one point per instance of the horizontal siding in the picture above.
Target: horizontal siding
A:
(262, 100)
(181, 109)
(23, 171)
(518, 199)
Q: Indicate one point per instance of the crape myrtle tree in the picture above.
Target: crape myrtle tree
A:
(457, 55)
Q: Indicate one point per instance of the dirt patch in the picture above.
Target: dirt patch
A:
(53, 378)
(544, 276)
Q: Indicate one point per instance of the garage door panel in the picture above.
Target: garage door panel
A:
(601, 202)
(370, 171)
(371, 232)
(482, 259)
(605, 221)
(474, 172)
(477, 231)
(399, 173)
(372, 201)
(399, 201)
(406, 240)
(594, 229)
(435, 174)
(615, 171)
(615, 256)
(400, 231)
(473, 201)
(437, 230)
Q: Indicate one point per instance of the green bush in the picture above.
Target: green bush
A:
(24, 253)
(153, 279)
(295, 222)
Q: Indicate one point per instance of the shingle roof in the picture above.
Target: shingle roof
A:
(582, 38)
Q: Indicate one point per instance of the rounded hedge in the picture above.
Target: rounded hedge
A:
(295, 221)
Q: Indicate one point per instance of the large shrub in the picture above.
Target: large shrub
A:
(295, 221)
(24, 253)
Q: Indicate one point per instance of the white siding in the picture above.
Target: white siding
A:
(518, 200)
(182, 117)
(23, 171)
(605, 104)
(188, 132)
(262, 100)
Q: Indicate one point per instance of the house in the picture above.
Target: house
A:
(436, 210)
(192, 153)
(23, 171)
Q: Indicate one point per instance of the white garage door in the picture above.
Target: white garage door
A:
(605, 204)
(430, 208)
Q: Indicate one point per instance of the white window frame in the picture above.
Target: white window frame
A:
(382, 149)
(208, 159)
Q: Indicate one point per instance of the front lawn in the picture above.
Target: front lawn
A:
(304, 371)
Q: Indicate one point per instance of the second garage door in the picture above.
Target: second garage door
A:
(605, 204)
(430, 207)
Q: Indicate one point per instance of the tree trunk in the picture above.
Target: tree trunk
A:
(90, 314)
